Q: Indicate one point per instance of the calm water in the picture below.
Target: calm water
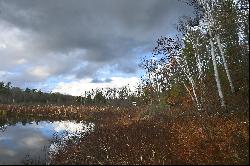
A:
(33, 140)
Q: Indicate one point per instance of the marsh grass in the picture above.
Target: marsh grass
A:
(189, 138)
(31, 159)
(169, 136)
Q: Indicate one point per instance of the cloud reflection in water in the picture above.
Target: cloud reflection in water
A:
(19, 140)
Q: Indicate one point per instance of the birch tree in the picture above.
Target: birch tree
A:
(207, 6)
(225, 63)
(181, 69)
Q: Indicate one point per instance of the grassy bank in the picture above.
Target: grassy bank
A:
(182, 140)
(134, 135)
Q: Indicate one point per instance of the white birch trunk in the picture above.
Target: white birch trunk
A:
(158, 87)
(200, 76)
(216, 74)
(191, 80)
(189, 92)
(210, 24)
(198, 60)
(194, 92)
(225, 63)
(189, 77)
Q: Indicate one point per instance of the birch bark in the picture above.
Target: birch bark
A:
(209, 19)
(216, 74)
(225, 63)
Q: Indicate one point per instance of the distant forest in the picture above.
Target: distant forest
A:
(15, 95)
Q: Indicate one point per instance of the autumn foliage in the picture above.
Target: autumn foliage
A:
(182, 138)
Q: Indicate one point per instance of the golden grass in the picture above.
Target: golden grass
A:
(123, 136)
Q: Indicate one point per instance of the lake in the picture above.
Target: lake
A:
(22, 143)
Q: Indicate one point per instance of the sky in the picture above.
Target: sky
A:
(70, 46)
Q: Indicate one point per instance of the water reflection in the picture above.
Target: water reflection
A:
(19, 140)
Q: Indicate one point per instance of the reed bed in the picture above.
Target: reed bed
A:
(124, 135)
(185, 140)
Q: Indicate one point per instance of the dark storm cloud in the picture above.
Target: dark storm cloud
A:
(62, 34)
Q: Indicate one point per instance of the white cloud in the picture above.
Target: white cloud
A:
(5, 74)
(34, 141)
(13, 38)
(8, 152)
(2, 73)
(40, 72)
(21, 61)
(71, 126)
(2, 45)
(77, 88)
(39, 47)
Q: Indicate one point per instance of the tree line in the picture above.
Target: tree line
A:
(10, 94)
(207, 62)
(103, 96)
